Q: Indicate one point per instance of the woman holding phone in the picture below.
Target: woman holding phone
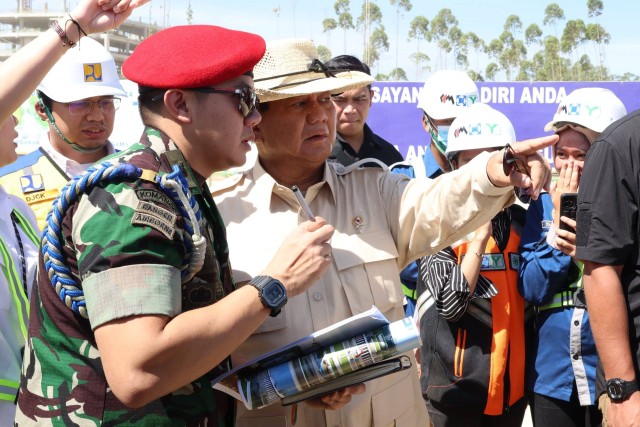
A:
(562, 356)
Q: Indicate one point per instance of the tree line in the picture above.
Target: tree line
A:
(517, 53)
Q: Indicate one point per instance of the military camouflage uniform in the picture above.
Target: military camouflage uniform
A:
(129, 266)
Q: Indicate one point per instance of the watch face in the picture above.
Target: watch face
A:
(274, 293)
(614, 389)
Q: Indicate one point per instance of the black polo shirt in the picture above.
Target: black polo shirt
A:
(372, 147)
(608, 230)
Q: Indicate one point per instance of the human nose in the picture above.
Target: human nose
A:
(95, 111)
(317, 113)
(253, 119)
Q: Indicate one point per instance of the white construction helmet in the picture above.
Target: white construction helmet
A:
(446, 94)
(591, 107)
(84, 71)
(480, 126)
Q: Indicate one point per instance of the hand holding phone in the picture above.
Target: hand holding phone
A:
(568, 208)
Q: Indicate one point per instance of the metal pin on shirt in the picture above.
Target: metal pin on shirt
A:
(306, 210)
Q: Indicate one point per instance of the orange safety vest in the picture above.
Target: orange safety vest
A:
(507, 311)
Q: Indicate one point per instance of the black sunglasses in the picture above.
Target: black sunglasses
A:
(249, 101)
(511, 163)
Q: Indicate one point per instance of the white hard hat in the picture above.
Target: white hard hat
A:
(480, 126)
(592, 107)
(446, 93)
(84, 71)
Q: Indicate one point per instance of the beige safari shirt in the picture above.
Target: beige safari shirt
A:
(383, 222)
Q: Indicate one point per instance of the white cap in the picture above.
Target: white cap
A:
(84, 71)
(446, 94)
(480, 126)
(592, 107)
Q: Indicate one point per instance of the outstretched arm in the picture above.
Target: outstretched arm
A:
(25, 69)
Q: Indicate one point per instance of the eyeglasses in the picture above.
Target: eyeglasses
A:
(512, 163)
(80, 108)
(249, 101)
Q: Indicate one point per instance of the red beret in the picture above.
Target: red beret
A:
(193, 56)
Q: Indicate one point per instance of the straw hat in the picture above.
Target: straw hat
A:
(290, 67)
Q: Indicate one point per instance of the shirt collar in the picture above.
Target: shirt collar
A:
(265, 186)
(69, 166)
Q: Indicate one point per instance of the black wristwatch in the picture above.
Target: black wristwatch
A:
(272, 293)
(618, 390)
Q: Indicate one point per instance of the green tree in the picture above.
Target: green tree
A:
(595, 10)
(440, 25)
(189, 13)
(552, 14)
(329, 25)
(398, 75)
(345, 20)
(459, 41)
(401, 5)
(419, 30)
(324, 53)
(475, 76)
(532, 35)
(378, 42)
(370, 15)
(478, 45)
(420, 58)
(573, 35)
(513, 24)
(491, 71)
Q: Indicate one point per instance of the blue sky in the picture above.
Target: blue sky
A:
(303, 18)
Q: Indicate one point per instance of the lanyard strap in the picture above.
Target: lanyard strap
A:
(18, 218)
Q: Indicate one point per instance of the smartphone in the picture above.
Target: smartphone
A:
(568, 208)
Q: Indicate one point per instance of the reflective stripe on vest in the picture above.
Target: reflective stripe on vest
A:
(409, 293)
(565, 298)
(507, 316)
(26, 226)
(15, 287)
(8, 390)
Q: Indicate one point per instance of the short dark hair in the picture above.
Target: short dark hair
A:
(347, 62)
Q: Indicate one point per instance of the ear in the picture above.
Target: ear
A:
(40, 110)
(425, 126)
(179, 105)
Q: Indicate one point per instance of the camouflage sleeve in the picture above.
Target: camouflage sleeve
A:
(128, 246)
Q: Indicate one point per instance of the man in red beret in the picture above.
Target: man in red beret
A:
(135, 310)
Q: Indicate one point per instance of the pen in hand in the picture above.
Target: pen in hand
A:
(303, 204)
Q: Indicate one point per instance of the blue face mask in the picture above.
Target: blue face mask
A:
(440, 138)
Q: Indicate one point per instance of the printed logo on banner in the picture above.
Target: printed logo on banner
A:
(93, 72)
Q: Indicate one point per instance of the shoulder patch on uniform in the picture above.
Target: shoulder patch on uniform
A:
(156, 217)
(157, 196)
(154, 222)
(31, 183)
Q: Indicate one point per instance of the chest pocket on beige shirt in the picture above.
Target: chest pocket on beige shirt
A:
(367, 269)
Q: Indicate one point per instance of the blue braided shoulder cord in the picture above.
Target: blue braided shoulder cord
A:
(61, 277)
